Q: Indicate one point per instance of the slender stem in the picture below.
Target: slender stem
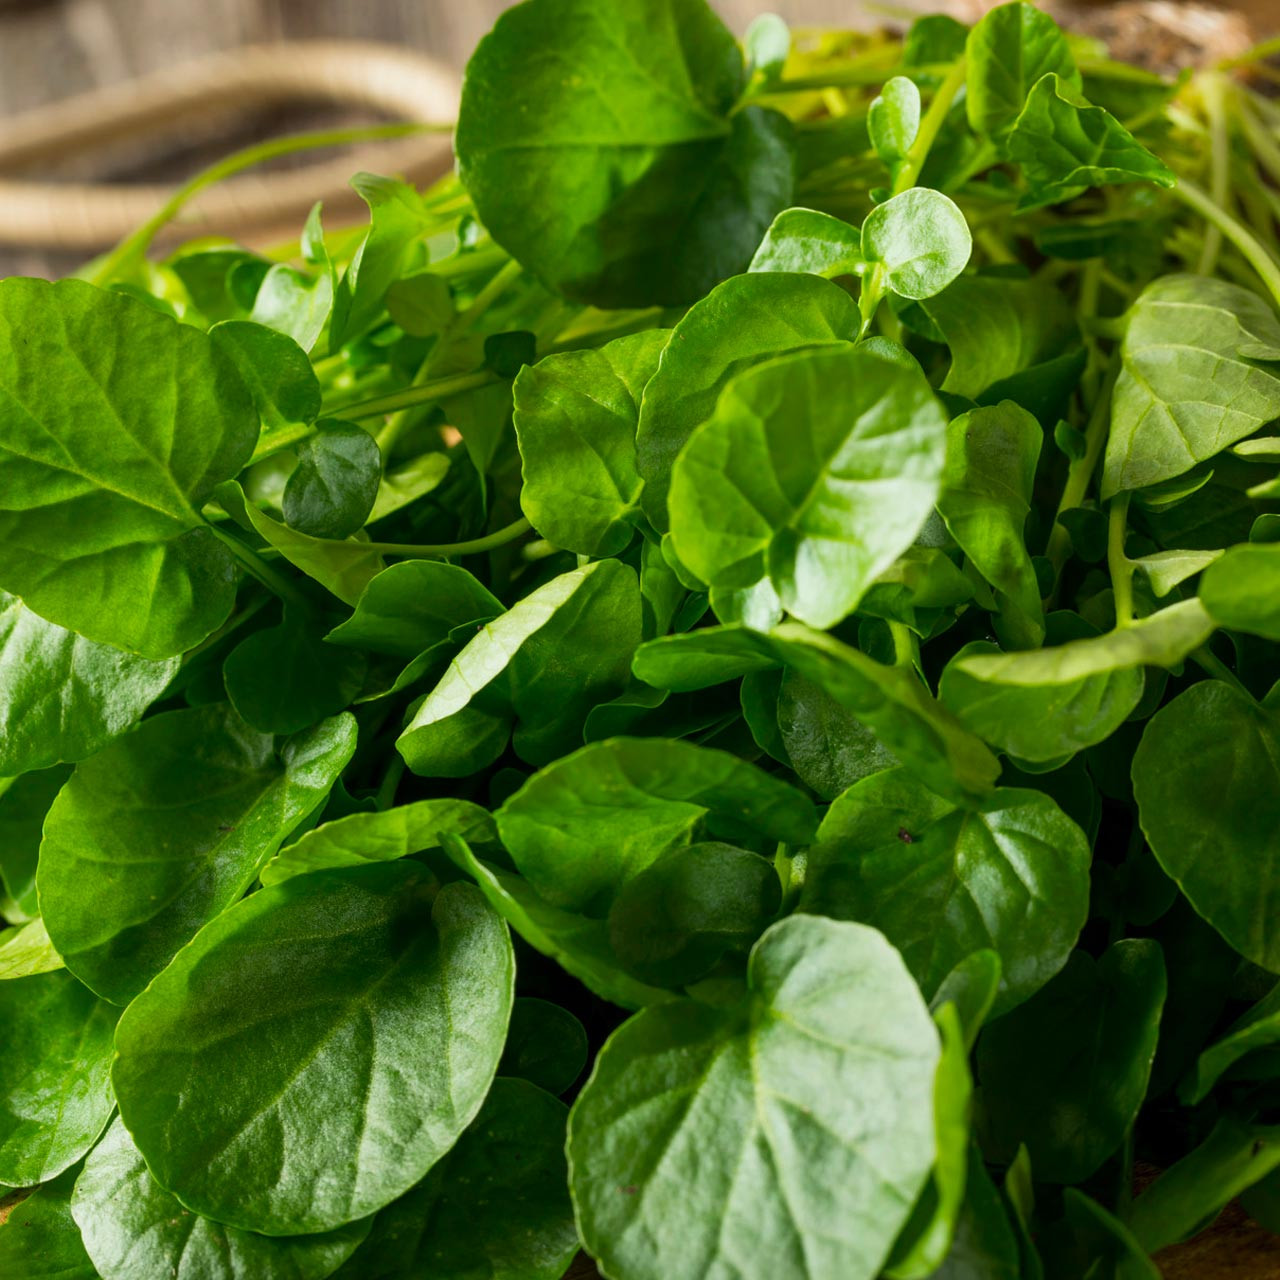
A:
(851, 77)
(424, 393)
(1215, 101)
(136, 243)
(260, 569)
(904, 650)
(491, 541)
(390, 782)
(1119, 565)
(497, 286)
(1259, 52)
(1212, 665)
(1249, 245)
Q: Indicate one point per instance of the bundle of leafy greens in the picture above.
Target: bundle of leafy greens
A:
(762, 592)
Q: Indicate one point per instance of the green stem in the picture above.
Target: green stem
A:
(136, 243)
(255, 565)
(1212, 665)
(490, 542)
(1259, 53)
(1249, 245)
(423, 393)
(1119, 565)
(904, 650)
(850, 77)
(1215, 101)
(390, 782)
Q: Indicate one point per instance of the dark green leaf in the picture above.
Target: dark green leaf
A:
(39, 1240)
(546, 1045)
(24, 801)
(275, 370)
(332, 490)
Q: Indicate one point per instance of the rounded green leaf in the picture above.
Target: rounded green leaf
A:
(27, 951)
(275, 370)
(816, 470)
(790, 1135)
(366, 986)
(546, 1045)
(24, 802)
(116, 424)
(1206, 776)
(894, 119)
(1242, 589)
(62, 696)
(332, 489)
(496, 1206)
(1010, 875)
(158, 833)
(647, 188)
(55, 1087)
(806, 240)
(39, 1239)
(133, 1229)
(921, 240)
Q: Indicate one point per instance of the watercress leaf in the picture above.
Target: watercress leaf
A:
(985, 1245)
(1102, 1241)
(986, 497)
(421, 304)
(699, 659)
(767, 44)
(409, 481)
(1165, 570)
(800, 240)
(62, 697)
(997, 327)
(497, 1205)
(343, 567)
(1259, 1028)
(915, 589)
(921, 240)
(24, 801)
(746, 320)
(1211, 742)
(1010, 875)
(133, 1229)
(546, 1045)
(971, 987)
(284, 678)
(398, 219)
(575, 421)
(383, 836)
(27, 951)
(1191, 1193)
(125, 881)
(332, 490)
(932, 39)
(756, 606)
(743, 1136)
(1013, 48)
(367, 983)
(39, 1239)
(1200, 370)
(274, 369)
(413, 605)
(531, 674)
(1239, 590)
(55, 1090)
(578, 944)
(1066, 1072)
(1064, 145)
(579, 829)
(109, 455)
(295, 302)
(894, 120)
(823, 519)
(643, 186)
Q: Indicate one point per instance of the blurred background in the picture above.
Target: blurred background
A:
(171, 84)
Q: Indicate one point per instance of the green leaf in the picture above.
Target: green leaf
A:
(360, 838)
(295, 302)
(333, 488)
(284, 678)
(24, 801)
(166, 828)
(55, 1088)
(546, 1045)
(344, 568)
(421, 304)
(581, 828)
(1257, 1029)
(1067, 1071)
(1011, 50)
(1207, 780)
(702, 658)
(1240, 589)
(921, 240)
(39, 1240)
(133, 1229)
(63, 697)
(767, 44)
(1165, 570)
(985, 1246)
(804, 240)
(575, 419)
(1064, 146)
(743, 322)
(893, 120)
(531, 675)
(1010, 875)
(27, 951)
(792, 1132)
(109, 457)
(1199, 372)
(274, 369)
(816, 470)
(408, 482)
(495, 1206)
(412, 606)
(986, 498)
(643, 185)
(367, 985)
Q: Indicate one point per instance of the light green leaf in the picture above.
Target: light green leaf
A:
(295, 302)
(333, 488)
(1242, 590)
(816, 470)
(108, 458)
(274, 369)
(167, 827)
(27, 951)
(805, 240)
(792, 1133)
(1165, 570)
(407, 482)
(55, 1090)
(702, 658)
(921, 240)
(369, 985)
(1199, 372)
(421, 304)
(767, 44)
(893, 120)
